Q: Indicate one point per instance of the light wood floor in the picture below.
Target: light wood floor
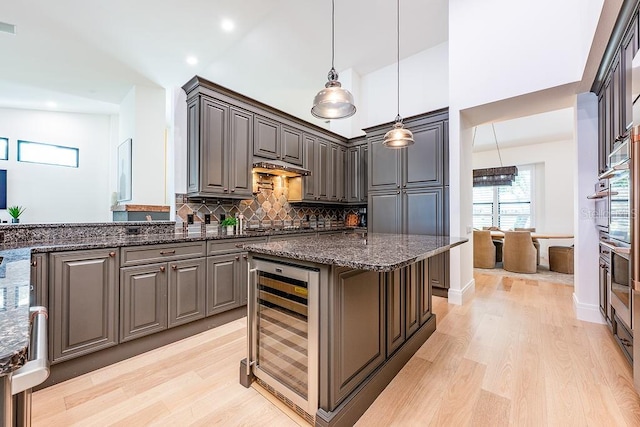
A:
(515, 355)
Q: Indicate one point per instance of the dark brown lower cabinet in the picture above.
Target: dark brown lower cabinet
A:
(187, 299)
(225, 278)
(143, 300)
(83, 308)
(439, 274)
(358, 326)
(396, 311)
(405, 307)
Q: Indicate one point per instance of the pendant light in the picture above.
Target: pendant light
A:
(398, 137)
(333, 102)
(488, 177)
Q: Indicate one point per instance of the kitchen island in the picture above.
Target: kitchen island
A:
(332, 319)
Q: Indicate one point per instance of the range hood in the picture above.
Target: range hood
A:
(279, 168)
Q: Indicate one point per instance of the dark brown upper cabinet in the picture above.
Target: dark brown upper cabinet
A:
(219, 156)
(275, 140)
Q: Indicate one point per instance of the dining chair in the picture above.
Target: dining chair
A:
(484, 252)
(496, 242)
(535, 241)
(519, 254)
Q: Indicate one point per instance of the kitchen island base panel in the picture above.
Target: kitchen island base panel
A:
(357, 403)
(72, 368)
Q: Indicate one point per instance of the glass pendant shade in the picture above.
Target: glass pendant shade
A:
(333, 102)
(398, 136)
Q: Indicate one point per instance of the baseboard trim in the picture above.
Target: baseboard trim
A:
(460, 296)
(587, 312)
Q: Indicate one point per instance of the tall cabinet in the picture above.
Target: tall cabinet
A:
(408, 188)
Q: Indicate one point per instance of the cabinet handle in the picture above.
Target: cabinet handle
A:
(112, 254)
(168, 252)
(34, 263)
(163, 268)
(237, 258)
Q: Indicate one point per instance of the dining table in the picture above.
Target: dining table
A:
(497, 234)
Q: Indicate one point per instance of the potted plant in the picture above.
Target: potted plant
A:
(15, 212)
(229, 222)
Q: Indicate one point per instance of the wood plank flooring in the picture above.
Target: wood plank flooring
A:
(513, 356)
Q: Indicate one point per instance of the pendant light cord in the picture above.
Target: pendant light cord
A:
(333, 23)
(398, 55)
(496, 139)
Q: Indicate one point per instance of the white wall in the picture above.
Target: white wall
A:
(424, 79)
(501, 49)
(143, 118)
(554, 169)
(54, 194)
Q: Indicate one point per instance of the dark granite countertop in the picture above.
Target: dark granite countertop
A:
(15, 277)
(378, 252)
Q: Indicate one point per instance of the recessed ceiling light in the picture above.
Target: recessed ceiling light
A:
(52, 104)
(227, 25)
(192, 60)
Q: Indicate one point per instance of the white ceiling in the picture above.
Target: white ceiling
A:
(86, 55)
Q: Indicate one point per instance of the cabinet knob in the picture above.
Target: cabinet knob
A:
(163, 268)
(398, 192)
(398, 186)
(237, 258)
(112, 254)
(225, 189)
(34, 263)
(174, 267)
(233, 190)
(245, 257)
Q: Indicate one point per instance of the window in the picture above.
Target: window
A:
(35, 152)
(4, 149)
(506, 207)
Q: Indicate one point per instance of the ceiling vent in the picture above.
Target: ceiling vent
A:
(7, 28)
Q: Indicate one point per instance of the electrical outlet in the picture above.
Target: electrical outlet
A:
(133, 230)
(189, 218)
(469, 229)
(207, 218)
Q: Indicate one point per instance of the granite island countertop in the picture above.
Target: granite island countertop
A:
(15, 273)
(376, 251)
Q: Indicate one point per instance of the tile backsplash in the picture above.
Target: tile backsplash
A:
(268, 207)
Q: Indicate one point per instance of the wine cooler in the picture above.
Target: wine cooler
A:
(283, 344)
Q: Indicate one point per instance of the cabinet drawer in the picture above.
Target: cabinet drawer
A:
(135, 255)
(222, 247)
(624, 338)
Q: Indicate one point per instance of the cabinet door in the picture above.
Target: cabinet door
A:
(358, 330)
(364, 174)
(143, 300)
(385, 212)
(39, 283)
(223, 290)
(322, 169)
(604, 290)
(84, 307)
(616, 102)
(214, 172)
(602, 131)
(423, 161)
(384, 171)
(336, 180)
(423, 211)
(187, 299)
(423, 269)
(266, 141)
(608, 122)
(629, 49)
(292, 145)
(193, 146)
(310, 153)
(410, 276)
(354, 169)
(396, 314)
(439, 270)
(241, 159)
